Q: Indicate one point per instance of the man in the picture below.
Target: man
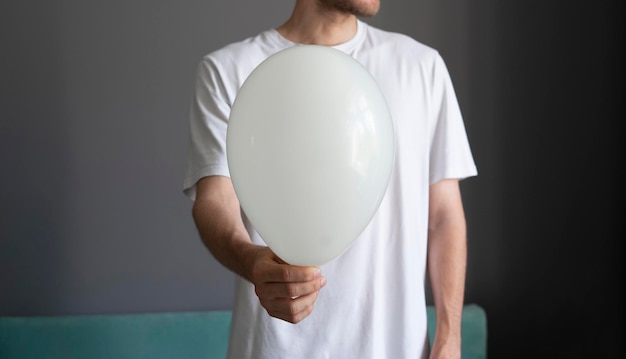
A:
(370, 301)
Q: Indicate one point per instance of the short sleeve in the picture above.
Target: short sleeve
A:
(208, 122)
(450, 153)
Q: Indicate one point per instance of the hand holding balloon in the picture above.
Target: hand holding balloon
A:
(310, 147)
(286, 292)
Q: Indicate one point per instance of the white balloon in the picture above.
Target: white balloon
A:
(310, 148)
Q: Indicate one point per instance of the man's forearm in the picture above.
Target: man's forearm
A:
(217, 217)
(447, 258)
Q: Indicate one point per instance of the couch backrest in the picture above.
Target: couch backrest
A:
(159, 335)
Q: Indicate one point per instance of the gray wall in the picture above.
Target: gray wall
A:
(95, 97)
(93, 137)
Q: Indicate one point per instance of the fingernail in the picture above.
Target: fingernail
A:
(317, 274)
(323, 281)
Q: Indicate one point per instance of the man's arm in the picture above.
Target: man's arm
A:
(447, 257)
(287, 292)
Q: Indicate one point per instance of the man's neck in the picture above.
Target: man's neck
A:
(314, 25)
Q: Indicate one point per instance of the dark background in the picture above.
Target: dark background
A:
(94, 99)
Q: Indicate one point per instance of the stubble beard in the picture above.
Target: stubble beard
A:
(358, 8)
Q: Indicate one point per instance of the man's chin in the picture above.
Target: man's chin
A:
(359, 8)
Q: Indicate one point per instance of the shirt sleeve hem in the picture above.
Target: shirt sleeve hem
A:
(189, 185)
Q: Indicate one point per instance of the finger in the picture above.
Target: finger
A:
(274, 272)
(293, 310)
(290, 289)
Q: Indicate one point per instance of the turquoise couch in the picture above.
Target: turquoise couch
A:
(159, 335)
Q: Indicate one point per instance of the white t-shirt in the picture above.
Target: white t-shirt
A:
(374, 304)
